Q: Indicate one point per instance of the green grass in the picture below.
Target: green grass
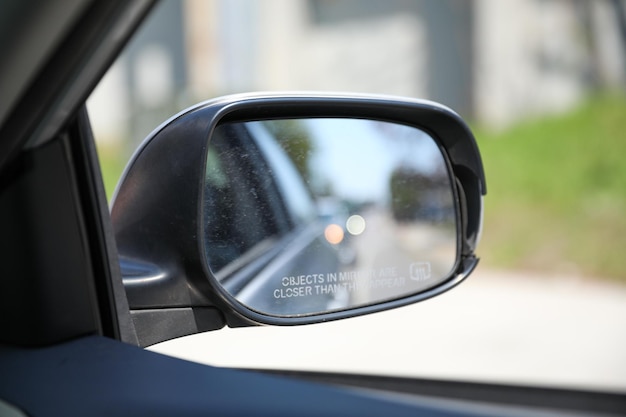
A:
(557, 192)
(112, 162)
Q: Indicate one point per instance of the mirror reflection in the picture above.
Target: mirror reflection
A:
(306, 216)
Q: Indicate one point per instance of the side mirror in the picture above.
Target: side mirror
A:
(290, 210)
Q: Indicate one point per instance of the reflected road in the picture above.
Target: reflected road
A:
(388, 245)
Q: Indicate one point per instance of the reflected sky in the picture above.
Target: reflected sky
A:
(360, 155)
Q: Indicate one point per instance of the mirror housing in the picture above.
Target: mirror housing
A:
(158, 209)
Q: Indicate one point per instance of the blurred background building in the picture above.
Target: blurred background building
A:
(493, 62)
(542, 82)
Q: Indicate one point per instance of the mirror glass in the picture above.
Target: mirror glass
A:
(307, 216)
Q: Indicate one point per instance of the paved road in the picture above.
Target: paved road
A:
(496, 326)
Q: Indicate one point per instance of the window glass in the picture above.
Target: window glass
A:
(238, 211)
(541, 82)
(282, 162)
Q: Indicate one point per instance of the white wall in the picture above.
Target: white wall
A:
(532, 57)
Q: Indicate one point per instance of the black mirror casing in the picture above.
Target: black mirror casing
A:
(157, 209)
